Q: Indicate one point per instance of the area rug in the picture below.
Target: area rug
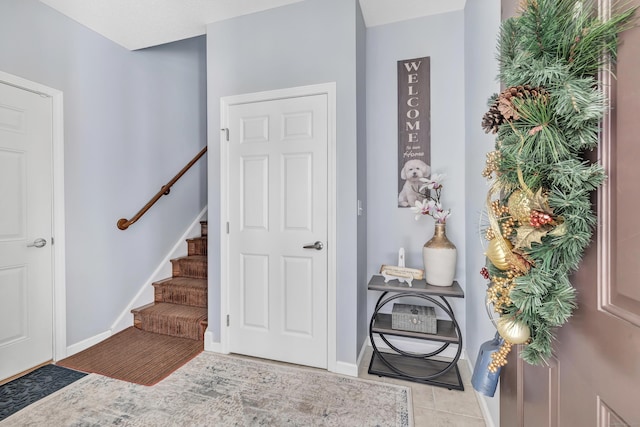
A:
(33, 386)
(218, 390)
(136, 356)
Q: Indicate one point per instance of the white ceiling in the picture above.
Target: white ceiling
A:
(136, 24)
(380, 12)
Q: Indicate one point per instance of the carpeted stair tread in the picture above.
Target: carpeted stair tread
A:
(181, 290)
(171, 319)
(179, 310)
(187, 282)
(192, 258)
(190, 266)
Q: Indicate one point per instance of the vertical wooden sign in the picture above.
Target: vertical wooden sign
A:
(414, 127)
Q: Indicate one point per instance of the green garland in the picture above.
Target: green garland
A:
(545, 120)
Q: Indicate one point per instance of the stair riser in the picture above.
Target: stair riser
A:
(170, 326)
(180, 295)
(197, 247)
(189, 268)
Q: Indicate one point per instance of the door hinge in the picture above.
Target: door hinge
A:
(227, 227)
(226, 131)
(52, 242)
(227, 320)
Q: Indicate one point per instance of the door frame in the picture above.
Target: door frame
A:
(59, 321)
(328, 89)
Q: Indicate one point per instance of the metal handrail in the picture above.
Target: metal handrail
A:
(124, 223)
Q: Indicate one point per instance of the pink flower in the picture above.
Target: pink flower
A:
(441, 215)
(430, 205)
(434, 182)
(424, 207)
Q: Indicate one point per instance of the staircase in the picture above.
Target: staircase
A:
(180, 302)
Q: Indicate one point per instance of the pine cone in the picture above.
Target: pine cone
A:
(492, 120)
(503, 109)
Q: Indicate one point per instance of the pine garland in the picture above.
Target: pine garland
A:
(545, 121)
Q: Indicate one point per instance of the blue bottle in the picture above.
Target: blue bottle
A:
(483, 380)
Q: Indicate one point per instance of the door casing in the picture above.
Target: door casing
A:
(59, 350)
(328, 89)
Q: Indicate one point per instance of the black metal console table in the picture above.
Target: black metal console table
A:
(410, 366)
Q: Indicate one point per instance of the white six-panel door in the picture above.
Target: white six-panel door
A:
(26, 293)
(277, 196)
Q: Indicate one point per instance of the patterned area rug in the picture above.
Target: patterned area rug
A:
(217, 390)
(29, 388)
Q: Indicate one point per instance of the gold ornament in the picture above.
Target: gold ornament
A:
(499, 253)
(512, 330)
(519, 206)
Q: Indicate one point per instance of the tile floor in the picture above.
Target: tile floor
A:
(437, 406)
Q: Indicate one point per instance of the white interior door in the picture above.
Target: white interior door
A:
(26, 285)
(277, 195)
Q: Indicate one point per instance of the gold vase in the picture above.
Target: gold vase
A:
(439, 256)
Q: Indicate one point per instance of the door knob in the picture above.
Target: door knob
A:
(38, 243)
(317, 246)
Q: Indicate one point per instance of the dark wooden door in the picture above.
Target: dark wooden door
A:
(594, 379)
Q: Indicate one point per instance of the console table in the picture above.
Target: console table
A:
(422, 368)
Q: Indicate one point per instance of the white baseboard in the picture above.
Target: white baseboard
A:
(211, 345)
(145, 294)
(342, 368)
(482, 402)
(348, 369)
(85, 344)
(363, 349)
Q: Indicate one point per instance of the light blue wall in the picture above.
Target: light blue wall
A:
(131, 121)
(482, 20)
(361, 64)
(440, 37)
(310, 42)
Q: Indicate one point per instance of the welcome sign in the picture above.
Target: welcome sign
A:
(414, 127)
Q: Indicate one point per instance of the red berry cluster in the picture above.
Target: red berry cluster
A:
(538, 219)
(485, 273)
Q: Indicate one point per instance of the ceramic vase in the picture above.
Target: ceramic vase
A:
(439, 256)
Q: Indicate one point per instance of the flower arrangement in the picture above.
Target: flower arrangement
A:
(430, 204)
